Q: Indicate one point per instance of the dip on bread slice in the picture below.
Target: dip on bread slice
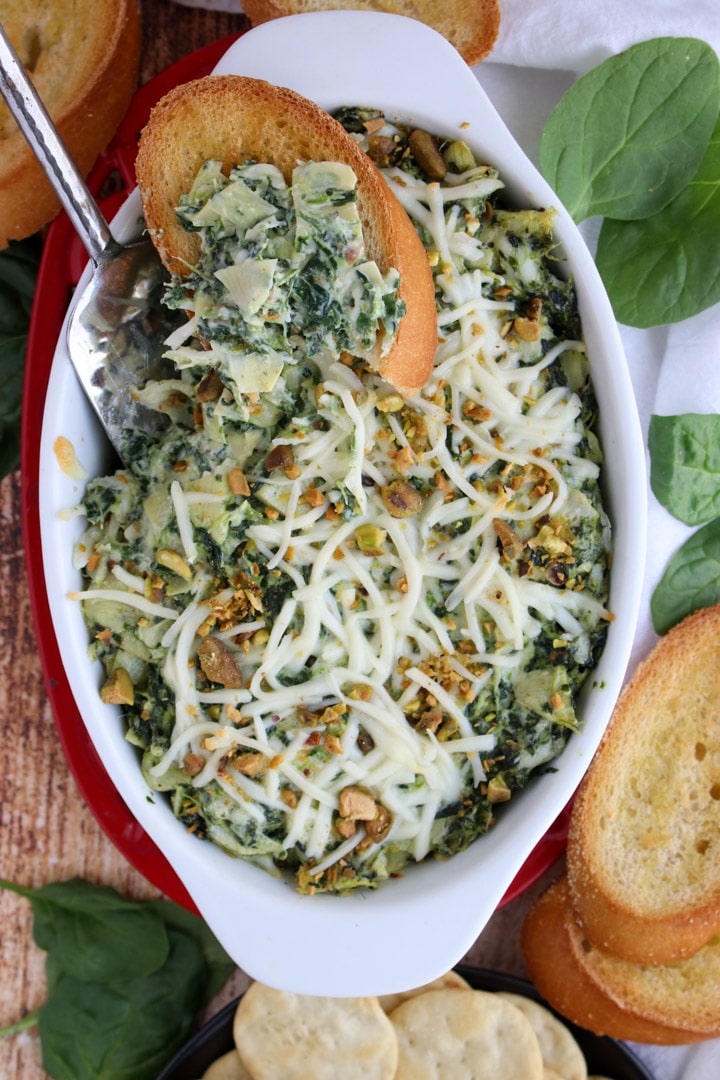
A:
(234, 120)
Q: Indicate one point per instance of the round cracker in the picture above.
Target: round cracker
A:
(560, 1052)
(285, 1036)
(464, 1035)
(227, 1067)
(451, 980)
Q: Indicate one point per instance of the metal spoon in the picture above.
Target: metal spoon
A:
(117, 327)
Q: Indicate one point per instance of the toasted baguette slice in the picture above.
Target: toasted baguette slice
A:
(82, 56)
(471, 28)
(644, 839)
(666, 1004)
(233, 119)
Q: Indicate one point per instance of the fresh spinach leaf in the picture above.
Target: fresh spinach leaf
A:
(685, 465)
(219, 965)
(93, 932)
(629, 135)
(18, 273)
(107, 1017)
(666, 268)
(123, 1030)
(691, 579)
(28, 1021)
(12, 359)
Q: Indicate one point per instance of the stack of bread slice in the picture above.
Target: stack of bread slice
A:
(82, 56)
(627, 942)
(471, 28)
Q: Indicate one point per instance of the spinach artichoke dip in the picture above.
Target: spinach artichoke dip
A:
(345, 626)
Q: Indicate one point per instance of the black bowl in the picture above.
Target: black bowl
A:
(604, 1056)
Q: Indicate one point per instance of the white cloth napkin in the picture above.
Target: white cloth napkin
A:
(575, 35)
(541, 49)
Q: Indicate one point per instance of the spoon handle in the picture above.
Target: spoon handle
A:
(62, 172)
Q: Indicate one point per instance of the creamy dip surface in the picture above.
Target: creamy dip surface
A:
(346, 627)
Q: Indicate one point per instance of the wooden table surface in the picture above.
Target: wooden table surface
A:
(46, 831)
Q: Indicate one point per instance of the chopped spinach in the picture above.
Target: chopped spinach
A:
(276, 591)
(284, 508)
(457, 825)
(151, 718)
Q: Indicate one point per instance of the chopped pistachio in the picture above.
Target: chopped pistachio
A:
(210, 387)
(390, 403)
(280, 457)
(527, 329)
(118, 688)
(498, 791)
(171, 560)
(427, 155)
(238, 482)
(370, 539)
(218, 663)
(401, 499)
(459, 156)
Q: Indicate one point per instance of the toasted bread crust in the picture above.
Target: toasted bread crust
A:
(83, 58)
(644, 839)
(471, 28)
(233, 119)
(611, 997)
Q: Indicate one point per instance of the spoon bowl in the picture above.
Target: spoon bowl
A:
(118, 325)
(115, 338)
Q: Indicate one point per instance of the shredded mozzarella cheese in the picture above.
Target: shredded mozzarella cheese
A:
(397, 621)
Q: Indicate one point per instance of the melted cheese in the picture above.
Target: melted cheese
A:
(365, 631)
